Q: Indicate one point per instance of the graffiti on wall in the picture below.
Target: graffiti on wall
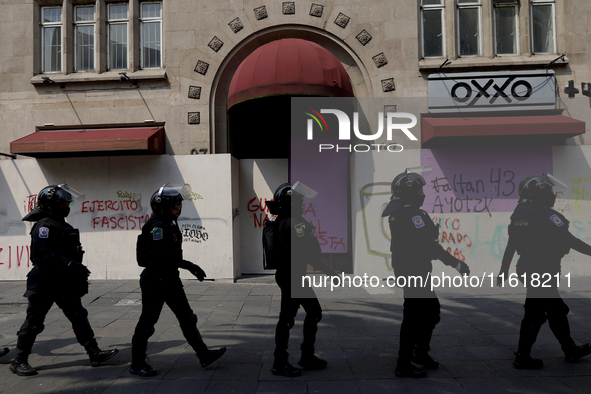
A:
(325, 238)
(15, 256)
(193, 232)
(114, 214)
(260, 212)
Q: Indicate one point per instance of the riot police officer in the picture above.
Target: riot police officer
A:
(58, 276)
(159, 250)
(540, 236)
(298, 245)
(414, 245)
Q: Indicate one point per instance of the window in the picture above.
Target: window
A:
(51, 22)
(432, 28)
(506, 14)
(542, 26)
(84, 38)
(117, 36)
(151, 35)
(469, 25)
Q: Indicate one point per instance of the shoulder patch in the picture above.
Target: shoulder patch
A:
(43, 232)
(299, 228)
(556, 220)
(418, 221)
(157, 234)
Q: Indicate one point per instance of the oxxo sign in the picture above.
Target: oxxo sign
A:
(492, 91)
(392, 124)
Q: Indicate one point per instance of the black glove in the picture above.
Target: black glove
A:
(198, 272)
(79, 269)
(462, 268)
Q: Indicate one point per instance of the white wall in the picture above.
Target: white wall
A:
(118, 190)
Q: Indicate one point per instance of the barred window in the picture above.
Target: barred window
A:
(84, 38)
(151, 35)
(118, 23)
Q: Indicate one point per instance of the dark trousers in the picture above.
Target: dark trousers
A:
(537, 311)
(289, 309)
(419, 318)
(39, 305)
(155, 293)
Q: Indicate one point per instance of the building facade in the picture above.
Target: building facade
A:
(119, 97)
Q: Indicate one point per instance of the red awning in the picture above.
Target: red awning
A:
(436, 130)
(289, 67)
(87, 142)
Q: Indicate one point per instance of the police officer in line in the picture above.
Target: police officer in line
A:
(414, 245)
(159, 250)
(540, 236)
(296, 244)
(58, 276)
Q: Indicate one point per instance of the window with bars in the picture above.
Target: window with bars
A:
(432, 20)
(118, 26)
(51, 51)
(151, 35)
(84, 38)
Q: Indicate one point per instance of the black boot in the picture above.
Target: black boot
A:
(21, 367)
(281, 366)
(574, 353)
(404, 369)
(142, 368)
(525, 361)
(3, 351)
(209, 356)
(309, 360)
(98, 356)
(421, 357)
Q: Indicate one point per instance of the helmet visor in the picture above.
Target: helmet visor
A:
(168, 190)
(68, 193)
(557, 185)
(303, 190)
(420, 170)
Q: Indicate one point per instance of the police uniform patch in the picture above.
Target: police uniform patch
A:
(43, 232)
(299, 230)
(556, 220)
(418, 221)
(157, 234)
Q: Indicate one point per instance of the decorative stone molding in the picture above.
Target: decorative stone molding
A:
(288, 8)
(388, 85)
(195, 92)
(236, 25)
(364, 37)
(342, 20)
(201, 67)
(260, 13)
(380, 60)
(316, 10)
(194, 117)
(215, 44)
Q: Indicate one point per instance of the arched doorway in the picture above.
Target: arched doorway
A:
(259, 123)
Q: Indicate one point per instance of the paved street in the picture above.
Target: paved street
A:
(358, 337)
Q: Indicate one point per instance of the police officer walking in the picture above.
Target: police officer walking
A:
(58, 276)
(540, 236)
(296, 244)
(159, 250)
(414, 245)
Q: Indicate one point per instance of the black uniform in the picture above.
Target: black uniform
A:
(160, 283)
(297, 236)
(414, 245)
(57, 276)
(541, 238)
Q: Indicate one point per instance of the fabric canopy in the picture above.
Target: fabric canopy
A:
(65, 142)
(289, 67)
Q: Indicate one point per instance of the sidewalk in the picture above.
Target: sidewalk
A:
(358, 337)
